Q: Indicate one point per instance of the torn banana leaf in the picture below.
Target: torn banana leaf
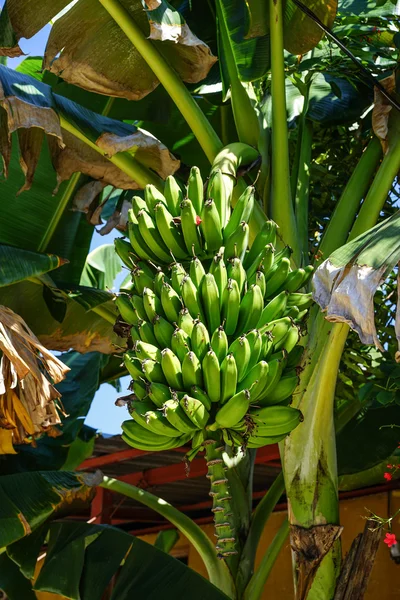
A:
(87, 47)
(17, 264)
(30, 108)
(345, 283)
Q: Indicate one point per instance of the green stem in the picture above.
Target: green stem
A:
(281, 203)
(302, 189)
(256, 586)
(243, 112)
(168, 78)
(347, 207)
(258, 522)
(217, 570)
(124, 161)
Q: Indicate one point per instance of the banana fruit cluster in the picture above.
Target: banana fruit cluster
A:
(214, 325)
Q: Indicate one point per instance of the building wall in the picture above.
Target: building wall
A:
(384, 582)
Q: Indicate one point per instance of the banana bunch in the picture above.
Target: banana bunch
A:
(174, 226)
(214, 346)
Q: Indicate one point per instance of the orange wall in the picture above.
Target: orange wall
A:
(384, 583)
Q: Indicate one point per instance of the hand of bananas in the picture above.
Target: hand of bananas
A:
(215, 335)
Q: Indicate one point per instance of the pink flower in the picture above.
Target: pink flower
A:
(198, 220)
(388, 476)
(389, 466)
(390, 539)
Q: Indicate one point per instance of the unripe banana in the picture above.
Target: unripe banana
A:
(211, 375)
(135, 432)
(177, 417)
(283, 389)
(190, 297)
(136, 240)
(274, 309)
(278, 328)
(210, 300)
(242, 211)
(144, 350)
(211, 226)
(256, 441)
(152, 304)
(255, 380)
(173, 195)
(146, 333)
(309, 271)
(152, 197)
(198, 439)
(135, 336)
(138, 204)
(278, 278)
(237, 243)
(170, 234)
(302, 301)
(159, 393)
(142, 280)
(263, 262)
(255, 340)
(276, 420)
(259, 279)
(125, 252)
(195, 410)
(191, 371)
(152, 420)
(172, 369)
(171, 303)
(177, 274)
(126, 310)
(152, 371)
(216, 191)
(133, 365)
(190, 222)
(200, 394)
(139, 389)
(197, 271)
(292, 312)
(290, 341)
(229, 376)
(186, 321)
(236, 271)
(180, 343)
(230, 306)
(293, 281)
(275, 368)
(152, 237)
(163, 331)
(295, 357)
(219, 271)
(240, 349)
(195, 189)
(159, 281)
(219, 343)
(266, 236)
(251, 308)
(170, 445)
(232, 411)
(233, 438)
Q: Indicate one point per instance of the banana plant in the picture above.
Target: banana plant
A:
(286, 162)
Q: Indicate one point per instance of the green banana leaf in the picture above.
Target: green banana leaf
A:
(12, 582)
(369, 8)
(90, 50)
(17, 264)
(82, 559)
(300, 33)
(29, 499)
(101, 268)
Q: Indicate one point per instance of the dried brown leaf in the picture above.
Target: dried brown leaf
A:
(381, 111)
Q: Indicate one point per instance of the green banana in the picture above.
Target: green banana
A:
(171, 303)
(232, 411)
(240, 348)
(294, 358)
(283, 389)
(162, 331)
(278, 278)
(255, 380)
(276, 420)
(219, 271)
(144, 350)
(124, 251)
(198, 439)
(196, 272)
(133, 365)
(190, 223)
(233, 438)
(229, 376)
(195, 190)
(290, 341)
(158, 393)
(159, 281)
(152, 420)
(230, 306)
(152, 237)
(139, 389)
(186, 321)
(177, 274)
(242, 211)
(172, 369)
(152, 197)
(236, 271)
(211, 375)
(190, 297)
(274, 309)
(211, 226)
(173, 443)
(275, 368)
(256, 441)
(195, 410)
(302, 301)
(151, 304)
(250, 311)
(293, 281)
(180, 343)
(219, 343)
(200, 394)
(177, 417)
(146, 333)
(216, 190)
(237, 243)
(191, 371)
(309, 271)
(136, 240)
(142, 279)
(267, 235)
(173, 195)
(255, 340)
(210, 300)
(278, 327)
(263, 262)
(292, 312)
(152, 371)
(169, 232)
(136, 432)
(138, 204)
(126, 310)
(259, 279)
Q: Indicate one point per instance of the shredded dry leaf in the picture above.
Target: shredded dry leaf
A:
(381, 111)
(29, 402)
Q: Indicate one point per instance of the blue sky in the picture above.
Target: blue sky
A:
(103, 414)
